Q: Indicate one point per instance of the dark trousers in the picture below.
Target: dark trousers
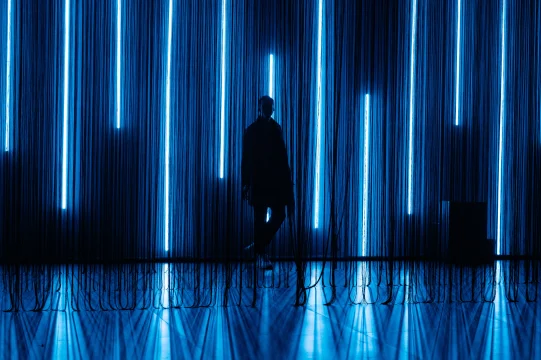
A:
(264, 231)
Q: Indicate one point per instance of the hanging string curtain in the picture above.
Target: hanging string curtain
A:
(116, 176)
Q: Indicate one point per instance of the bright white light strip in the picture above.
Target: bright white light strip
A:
(502, 109)
(66, 89)
(222, 103)
(8, 75)
(271, 94)
(271, 76)
(318, 130)
(457, 62)
(365, 169)
(118, 51)
(167, 125)
(412, 77)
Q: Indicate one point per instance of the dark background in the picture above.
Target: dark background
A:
(115, 182)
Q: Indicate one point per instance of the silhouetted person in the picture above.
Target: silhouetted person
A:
(266, 177)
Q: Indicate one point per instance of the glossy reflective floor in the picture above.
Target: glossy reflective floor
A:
(274, 328)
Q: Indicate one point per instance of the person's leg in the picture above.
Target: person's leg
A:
(260, 228)
(278, 215)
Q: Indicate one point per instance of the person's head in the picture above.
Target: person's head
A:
(266, 106)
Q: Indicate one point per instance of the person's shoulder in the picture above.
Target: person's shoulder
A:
(276, 125)
(250, 127)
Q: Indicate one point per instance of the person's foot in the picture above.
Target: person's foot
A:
(264, 263)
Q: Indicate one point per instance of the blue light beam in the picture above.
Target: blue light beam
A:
(502, 119)
(222, 102)
(271, 94)
(458, 31)
(271, 76)
(366, 170)
(8, 76)
(118, 59)
(66, 90)
(167, 125)
(318, 125)
(412, 88)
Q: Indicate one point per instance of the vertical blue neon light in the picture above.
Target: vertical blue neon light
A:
(222, 102)
(412, 88)
(167, 124)
(271, 94)
(318, 125)
(8, 76)
(502, 119)
(271, 76)
(66, 93)
(366, 170)
(458, 31)
(118, 58)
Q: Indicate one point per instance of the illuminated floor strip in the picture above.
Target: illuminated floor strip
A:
(167, 125)
(412, 88)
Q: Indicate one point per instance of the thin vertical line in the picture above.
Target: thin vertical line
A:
(167, 124)
(271, 94)
(66, 89)
(118, 59)
(412, 78)
(318, 130)
(366, 169)
(222, 103)
(8, 76)
(502, 118)
(271, 76)
(458, 31)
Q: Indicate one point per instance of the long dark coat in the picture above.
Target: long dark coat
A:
(265, 168)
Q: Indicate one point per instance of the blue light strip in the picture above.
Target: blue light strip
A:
(502, 125)
(222, 103)
(167, 125)
(118, 58)
(66, 93)
(366, 170)
(271, 76)
(458, 31)
(8, 75)
(271, 94)
(318, 130)
(412, 87)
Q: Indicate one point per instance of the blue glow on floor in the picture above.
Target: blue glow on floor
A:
(412, 87)
(366, 171)
(318, 129)
(457, 100)
(118, 59)
(167, 125)
(502, 119)
(222, 102)
(66, 93)
(8, 75)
